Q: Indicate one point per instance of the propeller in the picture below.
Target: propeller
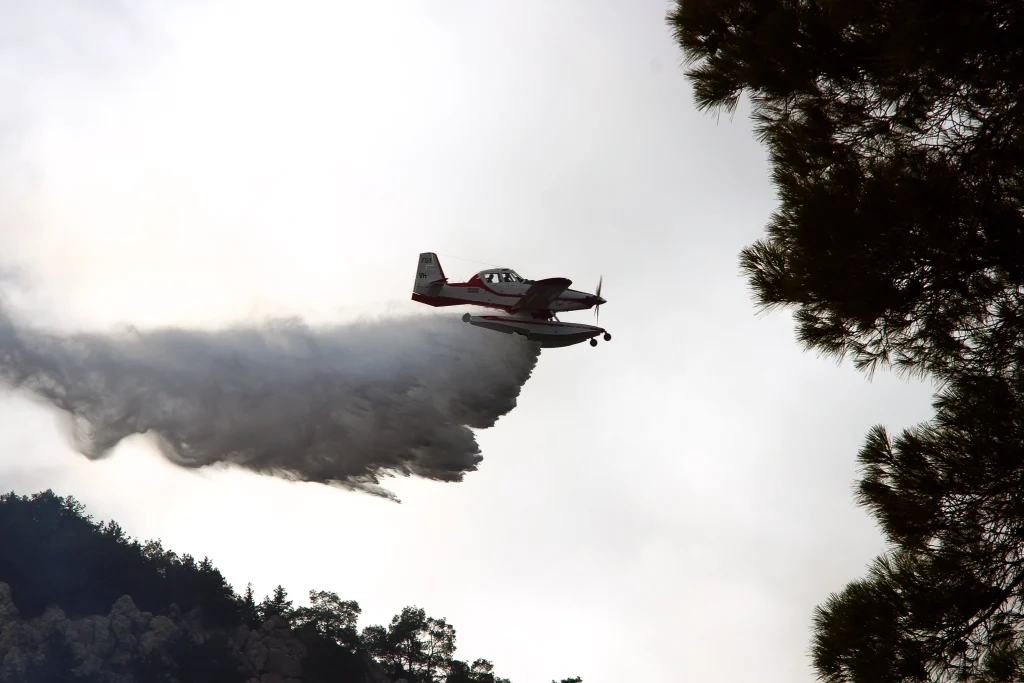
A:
(597, 309)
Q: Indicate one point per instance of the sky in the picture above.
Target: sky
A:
(670, 505)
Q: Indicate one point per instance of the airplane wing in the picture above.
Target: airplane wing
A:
(542, 292)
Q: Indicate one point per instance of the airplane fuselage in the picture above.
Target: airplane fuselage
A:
(501, 295)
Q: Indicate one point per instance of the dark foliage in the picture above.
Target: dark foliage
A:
(414, 645)
(328, 662)
(480, 671)
(896, 134)
(950, 497)
(330, 618)
(52, 549)
(55, 554)
(276, 606)
(212, 661)
(57, 665)
(249, 611)
(894, 130)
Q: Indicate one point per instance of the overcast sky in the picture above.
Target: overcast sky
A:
(668, 506)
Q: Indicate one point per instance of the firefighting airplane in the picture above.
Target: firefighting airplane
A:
(531, 304)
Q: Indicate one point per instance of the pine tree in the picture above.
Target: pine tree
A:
(277, 606)
(894, 131)
(250, 611)
(896, 137)
(948, 599)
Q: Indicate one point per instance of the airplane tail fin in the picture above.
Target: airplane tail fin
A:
(429, 274)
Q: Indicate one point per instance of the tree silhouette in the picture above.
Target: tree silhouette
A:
(250, 613)
(422, 648)
(57, 666)
(438, 649)
(55, 554)
(896, 137)
(949, 496)
(212, 661)
(52, 549)
(480, 671)
(894, 131)
(330, 617)
(401, 646)
(276, 606)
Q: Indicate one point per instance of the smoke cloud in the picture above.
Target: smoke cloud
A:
(343, 405)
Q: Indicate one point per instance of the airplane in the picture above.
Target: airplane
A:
(531, 305)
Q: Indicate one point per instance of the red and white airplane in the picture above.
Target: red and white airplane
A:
(531, 304)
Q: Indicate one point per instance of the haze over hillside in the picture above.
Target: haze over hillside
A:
(81, 601)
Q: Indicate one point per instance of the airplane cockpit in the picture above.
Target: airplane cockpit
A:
(497, 275)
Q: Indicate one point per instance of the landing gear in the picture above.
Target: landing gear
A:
(593, 342)
(466, 318)
(607, 337)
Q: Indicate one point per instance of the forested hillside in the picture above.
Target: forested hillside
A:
(81, 601)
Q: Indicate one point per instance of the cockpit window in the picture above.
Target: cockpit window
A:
(501, 276)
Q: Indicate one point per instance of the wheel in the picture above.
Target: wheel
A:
(466, 318)
(607, 337)
(593, 342)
